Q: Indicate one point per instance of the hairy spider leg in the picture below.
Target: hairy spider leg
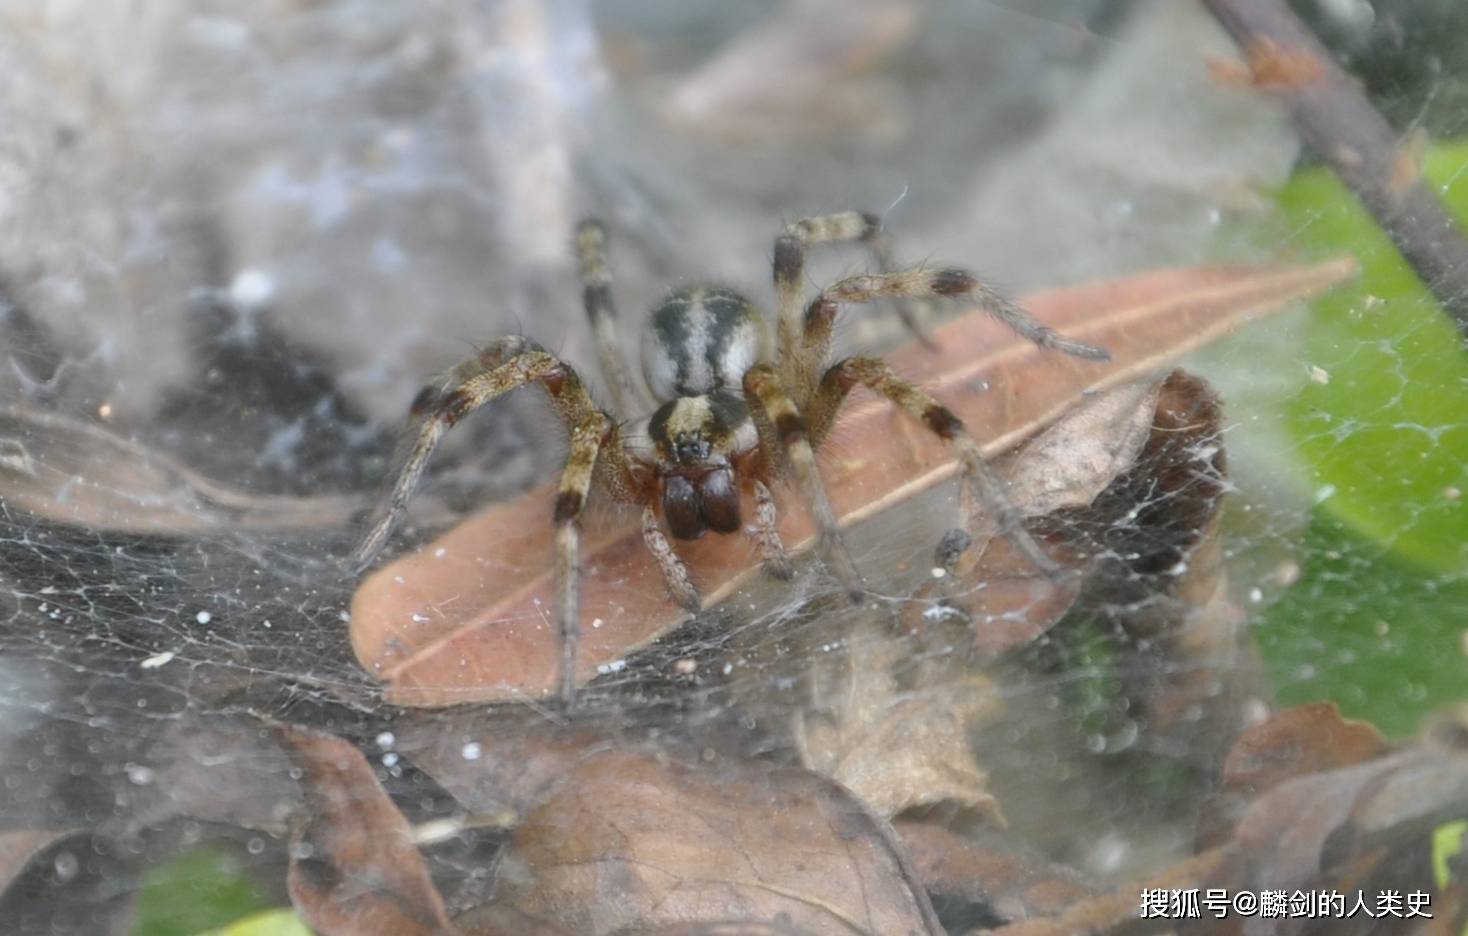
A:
(774, 559)
(920, 281)
(784, 430)
(675, 573)
(976, 477)
(874, 374)
(601, 310)
(586, 440)
(595, 446)
(799, 369)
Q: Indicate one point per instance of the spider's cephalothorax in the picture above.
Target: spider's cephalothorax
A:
(703, 444)
(731, 411)
(695, 351)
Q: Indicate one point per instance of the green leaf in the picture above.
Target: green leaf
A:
(201, 890)
(1382, 642)
(1383, 425)
(282, 922)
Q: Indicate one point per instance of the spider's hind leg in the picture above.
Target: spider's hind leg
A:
(979, 485)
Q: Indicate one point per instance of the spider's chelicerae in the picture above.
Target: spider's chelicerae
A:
(733, 410)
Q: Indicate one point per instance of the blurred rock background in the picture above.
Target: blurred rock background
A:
(386, 184)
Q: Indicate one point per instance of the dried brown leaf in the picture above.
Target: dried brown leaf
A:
(19, 846)
(633, 841)
(1015, 604)
(1189, 662)
(899, 738)
(1368, 826)
(1364, 822)
(898, 750)
(465, 619)
(1078, 456)
(1013, 882)
(1007, 601)
(1300, 740)
(354, 868)
(82, 474)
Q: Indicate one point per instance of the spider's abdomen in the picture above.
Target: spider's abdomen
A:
(700, 340)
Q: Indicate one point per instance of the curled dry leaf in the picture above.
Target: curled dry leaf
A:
(1188, 665)
(899, 739)
(1080, 454)
(1008, 881)
(1369, 826)
(897, 750)
(467, 617)
(1300, 740)
(354, 868)
(1336, 812)
(81, 474)
(629, 840)
(19, 846)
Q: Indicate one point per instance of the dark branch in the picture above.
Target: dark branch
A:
(1338, 123)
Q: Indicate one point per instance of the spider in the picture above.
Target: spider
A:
(735, 409)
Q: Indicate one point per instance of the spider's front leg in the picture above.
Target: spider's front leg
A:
(791, 246)
(784, 430)
(507, 365)
(820, 315)
(980, 487)
(978, 481)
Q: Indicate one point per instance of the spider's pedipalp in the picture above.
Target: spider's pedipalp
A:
(773, 557)
(785, 431)
(675, 573)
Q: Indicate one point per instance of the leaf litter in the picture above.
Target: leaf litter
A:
(872, 805)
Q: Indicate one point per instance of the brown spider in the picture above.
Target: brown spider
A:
(730, 416)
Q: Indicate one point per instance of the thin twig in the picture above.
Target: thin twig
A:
(1337, 121)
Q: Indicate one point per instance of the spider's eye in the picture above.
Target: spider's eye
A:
(680, 508)
(690, 448)
(719, 501)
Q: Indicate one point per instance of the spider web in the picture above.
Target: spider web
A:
(225, 274)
